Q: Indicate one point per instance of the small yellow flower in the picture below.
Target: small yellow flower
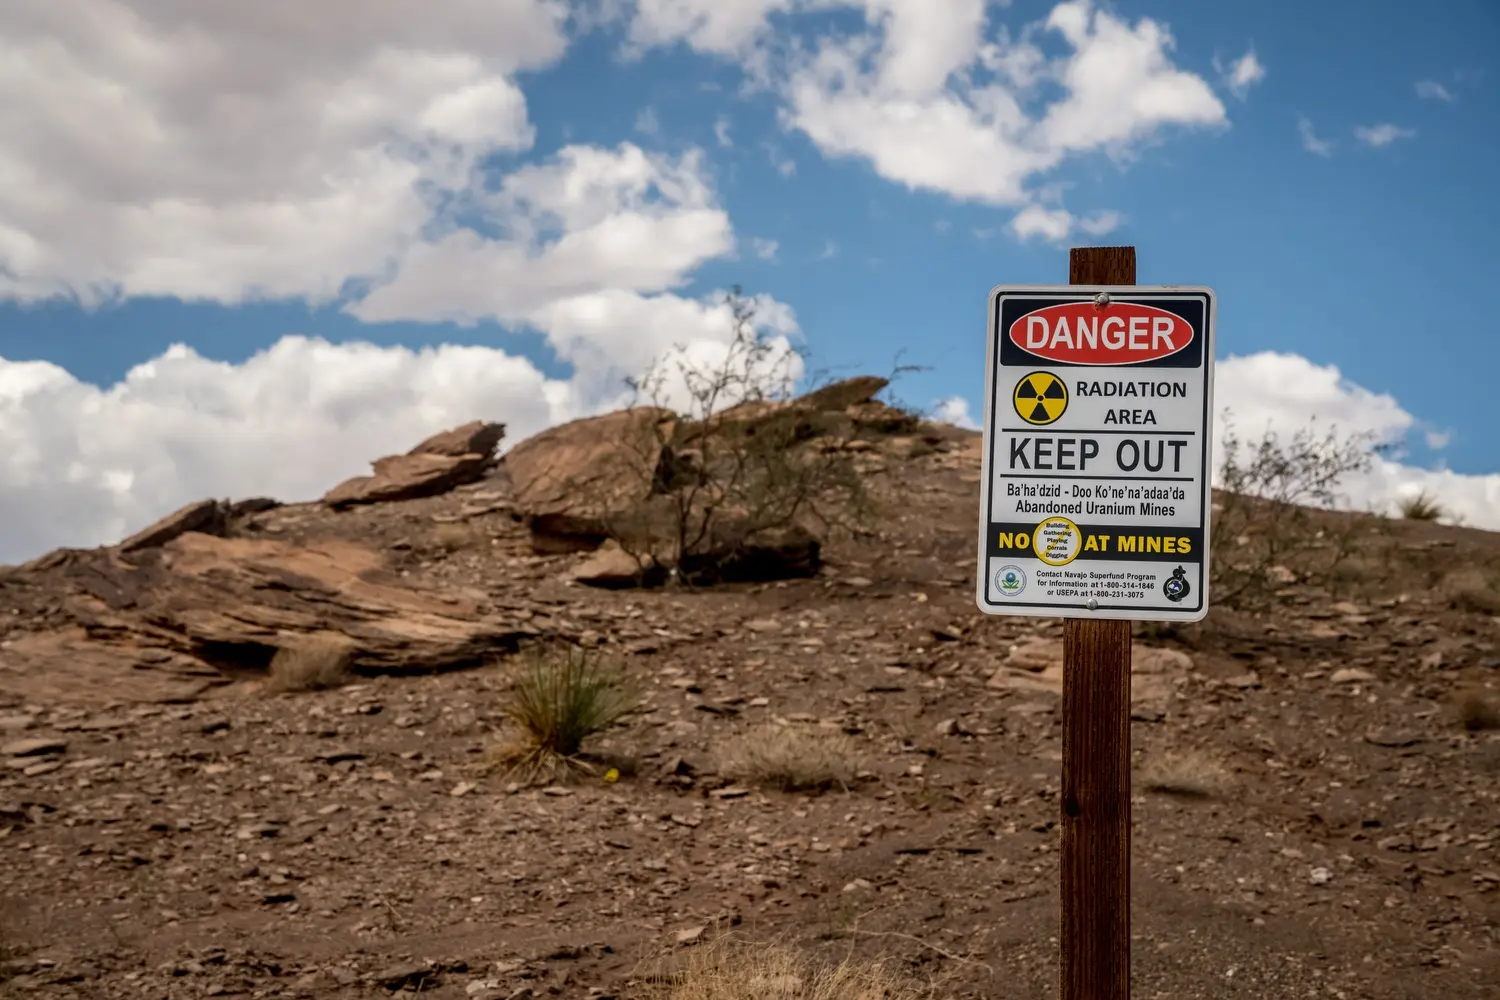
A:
(612, 775)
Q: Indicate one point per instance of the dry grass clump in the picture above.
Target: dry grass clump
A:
(313, 663)
(555, 704)
(791, 758)
(453, 536)
(1188, 774)
(1421, 507)
(726, 970)
(1478, 709)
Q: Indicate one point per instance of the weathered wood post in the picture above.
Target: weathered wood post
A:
(1096, 761)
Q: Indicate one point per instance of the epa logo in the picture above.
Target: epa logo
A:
(1010, 580)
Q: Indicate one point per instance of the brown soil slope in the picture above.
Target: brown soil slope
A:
(1312, 819)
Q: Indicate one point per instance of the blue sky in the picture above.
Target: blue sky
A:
(575, 183)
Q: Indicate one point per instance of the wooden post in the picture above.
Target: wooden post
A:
(1096, 762)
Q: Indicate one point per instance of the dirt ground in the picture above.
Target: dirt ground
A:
(1311, 818)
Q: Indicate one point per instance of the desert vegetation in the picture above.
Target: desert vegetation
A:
(728, 461)
(1186, 773)
(311, 663)
(734, 969)
(791, 758)
(559, 700)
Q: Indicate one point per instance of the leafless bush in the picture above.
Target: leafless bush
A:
(1270, 526)
(738, 466)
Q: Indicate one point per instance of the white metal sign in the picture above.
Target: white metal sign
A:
(1097, 452)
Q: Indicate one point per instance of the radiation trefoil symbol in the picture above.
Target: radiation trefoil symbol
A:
(1040, 398)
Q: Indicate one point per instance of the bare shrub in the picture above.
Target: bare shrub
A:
(313, 663)
(793, 758)
(1421, 507)
(909, 415)
(1189, 774)
(738, 465)
(730, 970)
(556, 703)
(1270, 527)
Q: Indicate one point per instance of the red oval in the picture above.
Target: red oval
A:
(1122, 333)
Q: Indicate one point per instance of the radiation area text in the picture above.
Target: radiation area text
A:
(1096, 541)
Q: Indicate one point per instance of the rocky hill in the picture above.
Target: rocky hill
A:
(1318, 771)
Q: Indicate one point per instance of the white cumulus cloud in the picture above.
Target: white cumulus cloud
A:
(586, 220)
(1310, 140)
(1285, 393)
(235, 151)
(230, 153)
(83, 465)
(1431, 90)
(1242, 74)
(1381, 135)
(722, 27)
(763, 248)
(1056, 224)
(1052, 224)
(955, 410)
(934, 97)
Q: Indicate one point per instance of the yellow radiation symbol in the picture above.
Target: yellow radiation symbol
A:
(1041, 398)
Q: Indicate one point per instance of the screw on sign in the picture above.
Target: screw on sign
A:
(1095, 505)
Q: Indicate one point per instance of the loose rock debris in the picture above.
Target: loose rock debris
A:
(168, 828)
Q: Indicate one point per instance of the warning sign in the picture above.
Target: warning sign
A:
(1098, 411)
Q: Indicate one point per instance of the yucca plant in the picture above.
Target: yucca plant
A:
(556, 703)
(1421, 507)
